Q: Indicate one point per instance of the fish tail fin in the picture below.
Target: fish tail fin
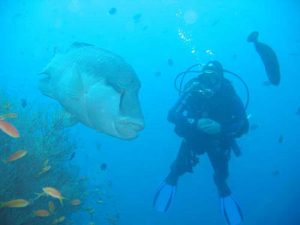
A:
(38, 195)
(253, 37)
(61, 201)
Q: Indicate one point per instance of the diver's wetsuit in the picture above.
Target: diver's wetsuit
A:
(226, 108)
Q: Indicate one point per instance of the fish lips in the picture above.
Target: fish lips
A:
(128, 128)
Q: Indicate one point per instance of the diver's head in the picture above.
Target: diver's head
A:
(211, 78)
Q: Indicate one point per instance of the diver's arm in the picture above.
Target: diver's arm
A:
(178, 115)
(238, 123)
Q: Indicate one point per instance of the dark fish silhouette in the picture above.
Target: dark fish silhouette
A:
(23, 102)
(298, 111)
(72, 156)
(157, 74)
(268, 57)
(103, 166)
(112, 11)
(275, 173)
(170, 62)
(137, 17)
(280, 139)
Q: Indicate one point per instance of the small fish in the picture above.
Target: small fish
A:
(41, 213)
(158, 74)
(44, 170)
(54, 193)
(100, 202)
(98, 146)
(112, 11)
(137, 17)
(103, 166)
(17, 155)
(72, 155)
(90, 210)
(51, 207)
(215, 22)
(16, 203)
(170, 62)
(8, 116)
(280, 139)
(59, 220)
(269, 58)
(75, 202)
(275, 173)
(9, 129)
(23, 102)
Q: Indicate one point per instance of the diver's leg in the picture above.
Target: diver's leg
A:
(165, 193)
(229, 206)
(185, 161)
(219, 160)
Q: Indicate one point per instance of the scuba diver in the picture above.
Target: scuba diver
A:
(208, 116)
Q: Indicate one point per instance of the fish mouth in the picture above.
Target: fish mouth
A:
(128, 128)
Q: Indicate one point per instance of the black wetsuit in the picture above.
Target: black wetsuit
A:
(226, 108)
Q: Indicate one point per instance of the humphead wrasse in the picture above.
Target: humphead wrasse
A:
(97, 88)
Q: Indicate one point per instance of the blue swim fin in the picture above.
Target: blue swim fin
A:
(163, 197)
(231, 210)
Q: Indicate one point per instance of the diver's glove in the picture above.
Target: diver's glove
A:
(209, 126)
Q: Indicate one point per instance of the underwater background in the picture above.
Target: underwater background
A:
(114, 179)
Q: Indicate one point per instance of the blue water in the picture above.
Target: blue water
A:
(146, 34)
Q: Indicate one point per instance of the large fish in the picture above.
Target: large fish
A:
(97, 88)
(268, 57)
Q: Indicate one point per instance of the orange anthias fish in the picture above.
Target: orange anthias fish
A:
(9, 129)
(54, 193)
(8, 115)
(41, 213)
(16, 203)
(17, 155)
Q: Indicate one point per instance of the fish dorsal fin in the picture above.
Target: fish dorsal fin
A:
(80, 44)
